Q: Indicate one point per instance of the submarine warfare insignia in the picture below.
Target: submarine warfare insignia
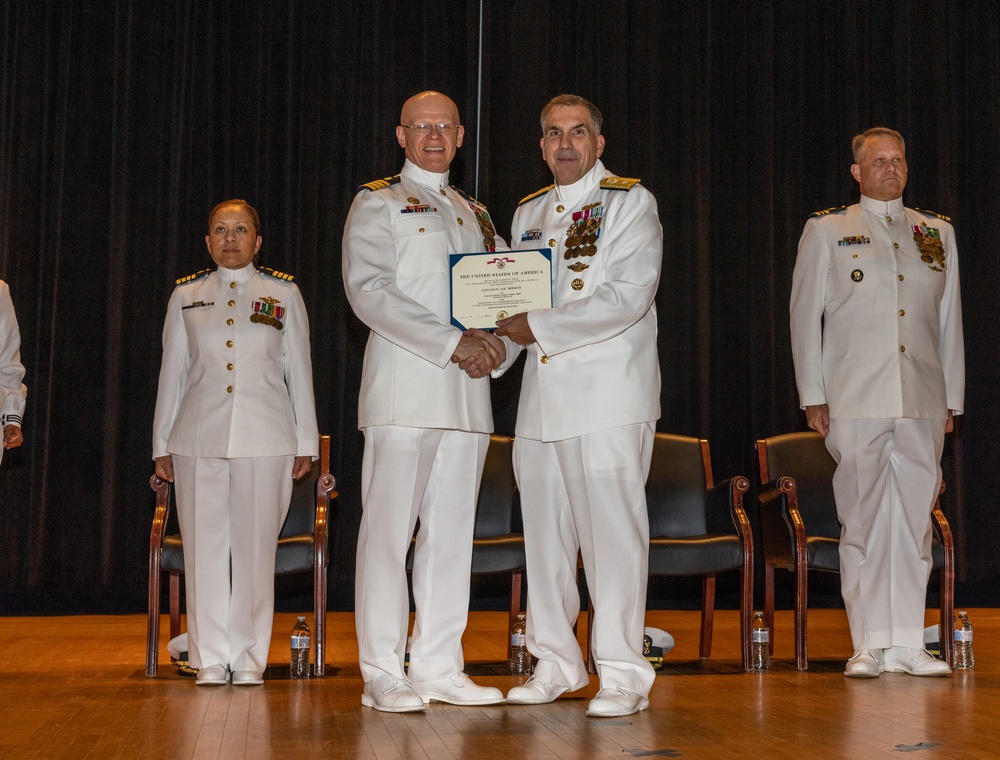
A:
(267, 312)
(582, 235)
(928, 240)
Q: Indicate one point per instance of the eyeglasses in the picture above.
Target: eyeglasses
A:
(422, 130)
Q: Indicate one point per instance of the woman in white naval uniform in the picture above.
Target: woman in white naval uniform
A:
(235, 422)
(12, 390)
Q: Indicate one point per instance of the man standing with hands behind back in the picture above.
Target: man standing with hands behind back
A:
(590, 398)
(426, 421)
(876, 324)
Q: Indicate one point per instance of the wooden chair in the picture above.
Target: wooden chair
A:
(302, 547)
(800, 530)
(498, 540)
(698, 528)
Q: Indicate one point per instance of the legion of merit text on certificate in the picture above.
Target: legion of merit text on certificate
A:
(489, 286)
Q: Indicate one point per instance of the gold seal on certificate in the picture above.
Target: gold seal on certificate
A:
(489, 286)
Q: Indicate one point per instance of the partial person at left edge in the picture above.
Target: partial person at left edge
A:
(235, 423)
(13, 392)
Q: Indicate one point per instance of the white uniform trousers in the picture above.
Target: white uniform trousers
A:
(887, 477)
(408, 473)
(587, 494)
(231, 512)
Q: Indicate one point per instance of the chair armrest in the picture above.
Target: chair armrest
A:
(725, 510)
(162, 490)
(782, 531)
(325, 490)
(941, 526)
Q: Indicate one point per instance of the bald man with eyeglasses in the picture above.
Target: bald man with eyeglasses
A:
(425, 412)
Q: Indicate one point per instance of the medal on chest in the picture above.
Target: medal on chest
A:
(582, 234)
(267, 312)
(485, 225)
(928, 240)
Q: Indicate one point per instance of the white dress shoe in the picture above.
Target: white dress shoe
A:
(535, 692)
(916, 662)
(247, 678)
(387, 693)
(616, 702)
(458, 689)
(866, 663)
(212, 675)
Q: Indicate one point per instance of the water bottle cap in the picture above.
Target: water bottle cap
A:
(302, 617)
(962, 612)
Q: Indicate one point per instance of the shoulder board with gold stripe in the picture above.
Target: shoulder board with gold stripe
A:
(933, 213)
(536, 194)
(465, 195)
(826, 211)
(192, 277)
(619, 183)
(276, 274)
(380, 184)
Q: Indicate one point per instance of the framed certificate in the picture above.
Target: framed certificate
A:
(489, 286)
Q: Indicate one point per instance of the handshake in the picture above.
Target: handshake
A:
(478, 353)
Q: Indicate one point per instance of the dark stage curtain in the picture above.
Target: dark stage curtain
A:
(123, 123)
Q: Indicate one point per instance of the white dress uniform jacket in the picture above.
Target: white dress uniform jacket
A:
(585, 423)
(232, 387)
(234, 406)
(876, 322)
(398, 236)
(876, 330)
(594, 364)
(425, 420)
(12, 391)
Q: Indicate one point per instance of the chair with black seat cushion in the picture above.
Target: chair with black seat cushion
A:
(800, 530)
(498, 540)
(302, 547)
(699, 528)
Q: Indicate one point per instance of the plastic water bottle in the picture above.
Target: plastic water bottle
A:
(761, 643)
(964, 659)
(520, 657)
(299, 667)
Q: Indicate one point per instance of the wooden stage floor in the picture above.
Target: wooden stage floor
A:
(74, 687)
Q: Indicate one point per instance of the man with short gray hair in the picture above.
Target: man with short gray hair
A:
(586, 418)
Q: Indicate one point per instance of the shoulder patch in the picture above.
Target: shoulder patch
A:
(933, 213)
(192, 277)
(826, 211)
(536, 194)
(380, 184)
(276, 274)
(619, 183)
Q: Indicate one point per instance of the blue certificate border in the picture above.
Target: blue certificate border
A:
(454, 258)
